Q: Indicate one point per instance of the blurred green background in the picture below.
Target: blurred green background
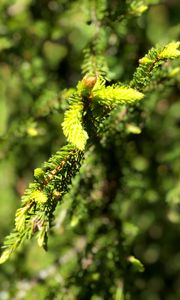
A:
(41, 52)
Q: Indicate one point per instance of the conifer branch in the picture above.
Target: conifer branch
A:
(92, 90)
(151, 63)
(129, 146)
(95, 62)
(51, 182)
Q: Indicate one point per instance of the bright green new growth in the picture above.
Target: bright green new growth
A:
(170, 51)
(72, 126)
(89, 90)
(116, 95)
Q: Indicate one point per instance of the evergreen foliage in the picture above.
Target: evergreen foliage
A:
(40, 199)
(148, 69)
(105, 206)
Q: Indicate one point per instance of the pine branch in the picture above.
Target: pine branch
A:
(92, 91)
(151, 63)
(41, 197)
(95, 62)
(52, 180)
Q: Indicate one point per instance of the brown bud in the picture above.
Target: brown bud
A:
(89, 81)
